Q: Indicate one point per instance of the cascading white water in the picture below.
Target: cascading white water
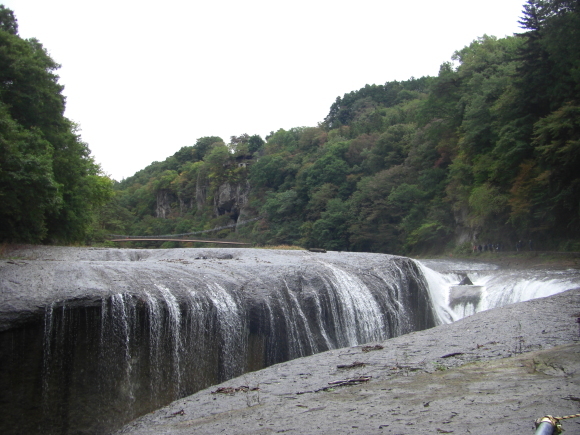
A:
(439, 285)
(231, 327)
(155, 346)
(502, 289)
(320, 323)
(121, 326)
(292, 313)
(164, 339)
(174, 331)
(398, 312)
(47, 355)
(495, 287)
(116, 345)
(362, 319)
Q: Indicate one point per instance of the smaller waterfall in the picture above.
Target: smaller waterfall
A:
(47, 355)
(502, 289)
(121, 327)
(439, 285)
(492, 287)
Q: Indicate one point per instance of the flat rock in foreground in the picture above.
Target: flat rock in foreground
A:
(493, 372)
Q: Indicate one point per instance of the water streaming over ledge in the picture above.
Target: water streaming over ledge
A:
(492, 287)
(148, 331)
(134, 330)
(165, 343)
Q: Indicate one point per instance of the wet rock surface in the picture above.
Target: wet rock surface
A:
(493, 372)
(36, 276)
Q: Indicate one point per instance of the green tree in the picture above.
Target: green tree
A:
(331, 231)
(557, 145)
(8, 21)
(59, 185)
(28, 189)
(204, 145)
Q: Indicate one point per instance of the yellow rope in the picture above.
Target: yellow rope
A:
(567, 416)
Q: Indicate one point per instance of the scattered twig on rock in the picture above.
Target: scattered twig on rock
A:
(576, 399)
(351, 366)
(232, 390)
(343, 383)
(371, 348)
(173, 414)
(354, 381)
(449, 355)
(346, 382)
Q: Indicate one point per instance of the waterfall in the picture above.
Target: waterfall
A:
(297, 327)
(173, 330)
(231, 328)
(121, 326)
(361, 320)
(439, 285)
(492, 287)
(47, 356)
(167, 331)
(155, 329)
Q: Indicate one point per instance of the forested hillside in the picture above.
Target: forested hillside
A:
(486, 152)
(50, 187)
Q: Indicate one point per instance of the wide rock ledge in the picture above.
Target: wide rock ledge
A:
(92, 338)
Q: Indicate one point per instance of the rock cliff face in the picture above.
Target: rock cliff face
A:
(464, 233)
(164, 200)
(93, 338)
(201, 189)
(231, 198)
(228, 198)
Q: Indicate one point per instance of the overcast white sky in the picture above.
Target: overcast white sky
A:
(145, 78)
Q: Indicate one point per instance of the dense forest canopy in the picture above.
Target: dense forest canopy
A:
(486, 152)
(483, 153)
(50, 187)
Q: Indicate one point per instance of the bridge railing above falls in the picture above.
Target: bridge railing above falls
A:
(92, 339)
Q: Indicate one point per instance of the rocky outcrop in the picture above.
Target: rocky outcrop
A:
(164, 200)
(230, 199)
(464, 233)
(92, 338)
(201, 190)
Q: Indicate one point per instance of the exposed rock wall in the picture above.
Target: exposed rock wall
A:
(464, 233)
(201, 189)
(230, 199)
(164, 200)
